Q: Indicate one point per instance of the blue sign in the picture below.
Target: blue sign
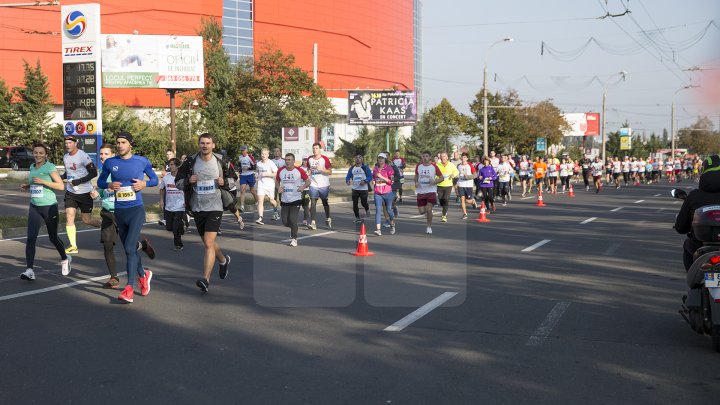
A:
(625, 131)
(69, 128)
(540, 145)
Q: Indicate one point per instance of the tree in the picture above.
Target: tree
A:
(33, 106)
(8, 117)
(700, 138)
(435, 127)
(544, 120)
(506, 127)
(215, 99)
(150, 133)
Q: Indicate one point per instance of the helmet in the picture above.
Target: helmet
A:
(711, 164)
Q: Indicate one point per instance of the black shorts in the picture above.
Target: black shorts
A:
(466, 192)
(108, 227)
(79, 201)
(207, 221)
(616, 176)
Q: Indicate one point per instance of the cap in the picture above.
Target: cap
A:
(126, 135)
(382, 155)
(70, 138)
(243, 147)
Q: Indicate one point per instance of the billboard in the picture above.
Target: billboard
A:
(382, 108)
(582, 124)
(152, 61)
(298, 141)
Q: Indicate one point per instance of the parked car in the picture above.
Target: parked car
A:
(16, 157)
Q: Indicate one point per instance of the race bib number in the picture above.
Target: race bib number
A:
(357, 180)
(486, 180)
(125, 194)
(424, 181)
(206, 187)
(36, 191)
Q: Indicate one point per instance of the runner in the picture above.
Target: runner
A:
(246, 163)
(279, 161)
(320, 170)
(640, 171)
(586, 174)
(172, 202)
(677, 166)
(552, 173)
(382, 177)
(487, 176)
(444, 188)
(669, 170)
(400, 163)
(566, 169)
(504, 173)
(108, 225)
(79, 171)
(617, 168)
(596, 168)
(427, 175)
(494, 162)
(634, 168)
(655, 171)
(524, 166)
(539, 167)
(359, 177)
(291, 183)
(266, 173)
(203, 178)
(43, 179)
(608, 171)
(467, 175)
(128, 173)
(305, 194)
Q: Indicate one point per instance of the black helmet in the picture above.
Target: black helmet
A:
(711, 164)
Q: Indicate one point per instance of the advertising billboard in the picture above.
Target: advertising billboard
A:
(152, 61)
(382, 108)
(582, 124)
(298, 141)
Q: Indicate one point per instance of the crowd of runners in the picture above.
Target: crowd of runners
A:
(206, 183)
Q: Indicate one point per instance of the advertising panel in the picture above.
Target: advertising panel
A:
(298, 141)
(582, 124)
(152, 61)
(625, 143)
(382, 108)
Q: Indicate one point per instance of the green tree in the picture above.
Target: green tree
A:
(8, 116)
(150, 134)
(33, 106)
(434, 129)
(506, 126)
(543, 119)
(216, 97)
(700, 137)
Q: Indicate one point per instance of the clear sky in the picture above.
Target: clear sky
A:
(458, 33)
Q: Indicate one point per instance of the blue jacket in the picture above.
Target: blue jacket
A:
(366, 169)
(487, 172)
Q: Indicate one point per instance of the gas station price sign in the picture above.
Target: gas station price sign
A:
(80, 91)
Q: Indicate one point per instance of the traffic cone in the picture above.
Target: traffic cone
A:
(483, 216)
(362, 248)
(540, 202)
(571, 193)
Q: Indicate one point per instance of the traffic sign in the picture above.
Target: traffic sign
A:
(540, 145)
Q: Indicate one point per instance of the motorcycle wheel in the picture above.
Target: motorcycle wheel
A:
(716, 338)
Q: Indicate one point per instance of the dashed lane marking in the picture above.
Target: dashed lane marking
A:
(543, 331)
(535, 246)
(588, 220)
(616, 209)
(420, 312)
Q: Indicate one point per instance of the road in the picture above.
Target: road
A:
(575, 302)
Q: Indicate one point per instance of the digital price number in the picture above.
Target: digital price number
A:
(79, 91)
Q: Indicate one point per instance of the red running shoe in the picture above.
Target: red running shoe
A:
(145, 282)
(127, 294)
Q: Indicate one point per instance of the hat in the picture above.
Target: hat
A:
(126, 135)
(382, 155)
(70, 138)
(243, 147)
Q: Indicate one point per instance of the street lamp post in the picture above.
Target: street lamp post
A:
(672, 118)
(485, 99)
(602, 115)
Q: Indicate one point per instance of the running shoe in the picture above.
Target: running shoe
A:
(71, 249)
(328, 222)
(392, 229)
(509, 197)
(66, 266)
(304, 222)
(178, 248)
(378, 232)
(28, 274)
(223, 271)
(474, 204)
(358, 220)
(127, 294)
(428, 230)
(504, 204)
(241, 224)
(259, 221)
(112, 283)
(144, 282)
(443, 218)
(242, 207)
(293, 242)
(587, 188)
(203, 284)
(386, 224)
(464, 216)
(219, 232)
(161, 222)
(367, 213)
(312, 226)
(146, 247)
(275, 216)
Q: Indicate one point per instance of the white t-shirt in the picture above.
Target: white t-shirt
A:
(425, 175)
(641, 166)
(625, 166)
(633, 166)
(246, 163)
(494, 162)
(565, 169)
(290, 181)
(174, 198)
(319, 179)
(279, 162)
(266, 183)
(524, 168)
(552, 170)
(617, 166)
(503, 171)
(465, 170)
(75, 168)
(358, 176)
(596, 168)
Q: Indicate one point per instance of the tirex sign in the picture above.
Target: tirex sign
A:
(582, 124)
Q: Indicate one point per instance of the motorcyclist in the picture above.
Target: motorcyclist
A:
(707, 193)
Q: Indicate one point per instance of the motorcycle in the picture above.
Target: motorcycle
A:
(701, 305)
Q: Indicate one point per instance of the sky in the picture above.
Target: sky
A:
(654, 44)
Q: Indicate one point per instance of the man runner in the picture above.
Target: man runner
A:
(427, 176)
(320, 170)
(79, 171)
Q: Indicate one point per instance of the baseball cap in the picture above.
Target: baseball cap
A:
(382, 155)
(243, 147)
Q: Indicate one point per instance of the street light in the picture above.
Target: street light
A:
(602, 116)
(485, 99)
(672, 117)
(194, 103)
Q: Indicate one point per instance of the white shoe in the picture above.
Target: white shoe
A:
(428, 230)
(328, 222)
(66, 265)
(259, 221)
(28, 274)
(378, 232)
(312, 226)
(293, 242)
(392, 230)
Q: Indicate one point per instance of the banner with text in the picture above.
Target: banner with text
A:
(582, 124)
(152, 61)
(382, 108)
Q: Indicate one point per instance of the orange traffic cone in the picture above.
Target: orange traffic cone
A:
(540, 202)
(362, 248)
(483, 214)
(571, 193)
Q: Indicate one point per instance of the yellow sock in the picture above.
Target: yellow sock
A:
(71, 235)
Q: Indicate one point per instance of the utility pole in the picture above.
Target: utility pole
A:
(602, 127)
(672, 129)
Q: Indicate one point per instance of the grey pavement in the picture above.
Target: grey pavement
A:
(588, 317)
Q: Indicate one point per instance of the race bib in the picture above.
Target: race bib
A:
(36, 191)
(424, 181)
(125, 194)
(206, 187)
(357, 180)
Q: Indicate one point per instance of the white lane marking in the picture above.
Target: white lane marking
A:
(611, 249)
(53, 288)
(525, 198)
(535, 246)
(616, 209)
(676, 202)
(11, 194)
(639, 201)
(420, 312)
(546, 327)
(588, 220)
(657, 195)
(660, 210)
(310, 236)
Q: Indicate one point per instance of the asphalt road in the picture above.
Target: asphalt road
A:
(590, 316)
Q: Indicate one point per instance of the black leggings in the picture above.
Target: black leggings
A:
(362, 197)
(108, 236)
(565, 181)
(586, 177)
(38, 215)
(487, 195)
(289, 215)
(444, 196)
